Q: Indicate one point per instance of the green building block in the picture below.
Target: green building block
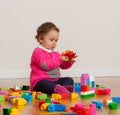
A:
(88, 95)
(2, 98)
(48, 100)
(42, 96)
(6, 111)
(99, 85)
(4, 88)
(112, 106)
(25, 87)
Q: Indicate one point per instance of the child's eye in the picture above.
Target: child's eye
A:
(51, 40)
(56, 40)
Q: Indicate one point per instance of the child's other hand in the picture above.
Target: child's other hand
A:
(65, 58)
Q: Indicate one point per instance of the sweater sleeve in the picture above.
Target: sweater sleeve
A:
(66, 65)
(46, 60)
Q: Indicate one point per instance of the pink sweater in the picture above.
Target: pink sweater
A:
(46, 65)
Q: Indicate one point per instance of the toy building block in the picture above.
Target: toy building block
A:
(44, 106)
(88, 94)
(14, 111)
(16, 87)
(77, 87)
(42, 96)
(56, 107)
(77, 108)
(92, 109)
(116, 99)
(15, 94)
(4, 92)
(25, 87)
(105, 101)
(64, 95)
(108, 101)
(81, 110)
(99, 86)
(2, 98)
(98, 104)
(112, 106)
(40, 102)
(11, 97)
(87, 86)
(27, 96)
(80, 105)
(103, 91)
(48, 100)
(69, 53)
(5, 88)
(19, 101)
(56, 96)
(6, 111)
(74, 95)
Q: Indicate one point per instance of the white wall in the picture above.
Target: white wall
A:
(91, 28)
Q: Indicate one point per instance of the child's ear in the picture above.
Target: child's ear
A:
(40, 39)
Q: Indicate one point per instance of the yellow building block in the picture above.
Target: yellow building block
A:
(56, 96)
(14, 111)
(74, 95)
(19, 101)
(44, 106)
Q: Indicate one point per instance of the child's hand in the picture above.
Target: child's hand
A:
(70, 55)
(65, 58)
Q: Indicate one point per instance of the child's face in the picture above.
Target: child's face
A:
(49, 41)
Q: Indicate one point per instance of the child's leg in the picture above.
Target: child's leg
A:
(49, 87)
(61, 89)
(45, 86)
(67, 82)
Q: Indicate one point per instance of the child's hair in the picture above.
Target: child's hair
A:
(45, 28)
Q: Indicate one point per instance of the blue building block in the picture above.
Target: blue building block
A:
(27, 96)
(98, 104)
(116, 99)
(77, 87)
(93, 84)
(56, 107)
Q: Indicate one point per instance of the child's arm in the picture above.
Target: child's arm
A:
(70, 59)
(47, 61)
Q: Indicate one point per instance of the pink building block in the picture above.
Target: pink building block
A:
(84, 79)
(81, 105)
(92, 109)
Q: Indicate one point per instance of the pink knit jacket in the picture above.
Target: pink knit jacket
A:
(46, 65)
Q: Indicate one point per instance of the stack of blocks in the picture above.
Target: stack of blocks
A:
(87, 86)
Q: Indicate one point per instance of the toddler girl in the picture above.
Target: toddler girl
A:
(46, 63)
